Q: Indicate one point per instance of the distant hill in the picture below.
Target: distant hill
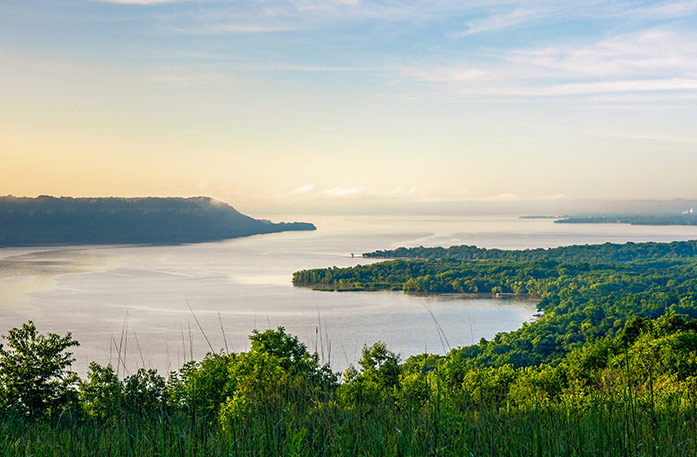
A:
(65, 220)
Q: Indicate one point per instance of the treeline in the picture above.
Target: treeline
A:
(633, 394)
(582, 300)
(633, 219)
(596, 253)
(65, 220)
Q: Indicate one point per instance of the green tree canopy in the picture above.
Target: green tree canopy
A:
(35, 375)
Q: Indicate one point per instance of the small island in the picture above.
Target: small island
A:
(47, 220)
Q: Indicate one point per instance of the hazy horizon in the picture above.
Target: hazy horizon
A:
(503, 207)
(341, 104)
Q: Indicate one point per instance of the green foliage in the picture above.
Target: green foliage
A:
(35, 378)
(104, 396)
(278, 373)
(633, 394)
(101, 395)
(586, 292)
(199, 388)
(144, 391)
(377, 381)
(598, 253)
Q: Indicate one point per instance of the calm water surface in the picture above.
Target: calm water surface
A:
(246, 283)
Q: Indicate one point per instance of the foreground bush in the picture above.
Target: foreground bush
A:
(630, 395)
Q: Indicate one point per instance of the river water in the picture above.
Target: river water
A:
(238, 285)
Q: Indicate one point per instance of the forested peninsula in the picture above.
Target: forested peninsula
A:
(586, 292)
(51, 220)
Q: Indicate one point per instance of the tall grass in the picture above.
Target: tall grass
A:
(283, 428)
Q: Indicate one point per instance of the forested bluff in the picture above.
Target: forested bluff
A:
(47, 220)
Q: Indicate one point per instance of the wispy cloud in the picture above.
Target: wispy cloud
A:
(505, 197)
(222, 27)
(460, 72)
(657, 138)
(600, 87)
(343, 191)
(304, 189)
(478, 16)
(499, 22)
(182, 76)
(649, 52)
(314, 68)
(632, 99)
(516, 14)
(142, 2)
(311, 192)
(303, 15)
(560, 196)
(655, 60)
(675, 9)
(243, 28)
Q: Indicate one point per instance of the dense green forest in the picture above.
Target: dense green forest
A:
(585, 292)
(65, 220)
(634, 394)
(591, 253)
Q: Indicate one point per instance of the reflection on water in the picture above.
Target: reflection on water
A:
(245, 284)
(53, 262)
(15, 290)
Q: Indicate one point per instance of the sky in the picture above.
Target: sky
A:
(274, 105)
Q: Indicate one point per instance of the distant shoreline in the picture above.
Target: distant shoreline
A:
(638, 219)
(686, 218)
